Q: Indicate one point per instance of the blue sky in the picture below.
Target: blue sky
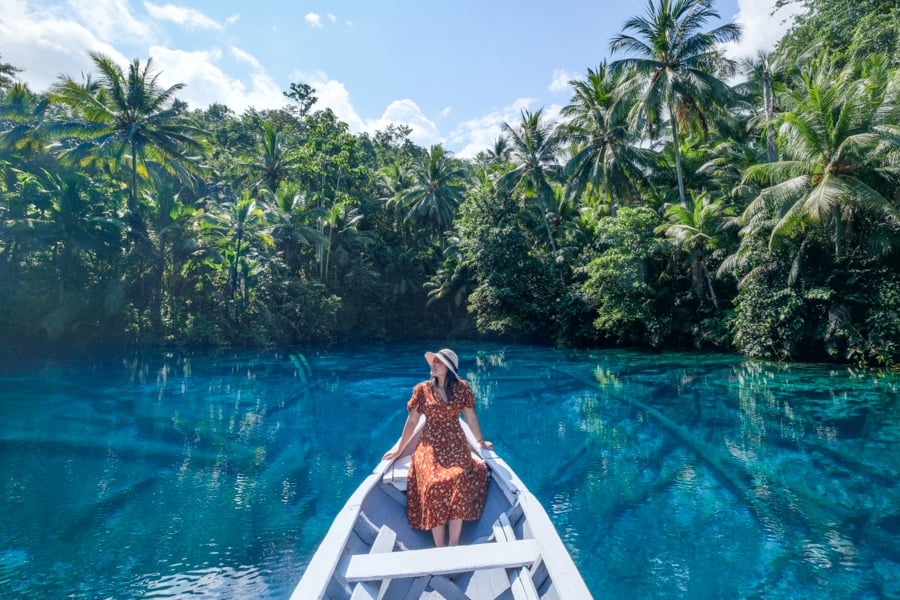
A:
(453, 71)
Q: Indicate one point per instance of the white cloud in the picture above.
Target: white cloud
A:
(206, 82)
(246, 58)
(233, 19)
(332, 94)
(111, 20)
(186, 17)
(476, 135)
(47, 46)
(332, 18)
(761, 28)
(553, 113)
(314, 19)
(560, 82)
(406, 112)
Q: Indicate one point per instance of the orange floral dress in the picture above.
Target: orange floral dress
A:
(445, 482)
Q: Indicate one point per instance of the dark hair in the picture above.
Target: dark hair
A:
(449, 381)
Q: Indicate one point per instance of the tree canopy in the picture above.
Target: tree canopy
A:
(668, 206)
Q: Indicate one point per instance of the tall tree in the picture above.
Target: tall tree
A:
(696, 230)
(304, 95)
(24, 118)
(847, 29)
(7, 74)
(436, 191)
(129, 117)
(340, 237)
(840, 146)
(767, 75)
(292, 222)
(606, 156)
(763, 71)
(534, 151)
(274, 163)
(498, 154)
(232, 231)
(678, 64)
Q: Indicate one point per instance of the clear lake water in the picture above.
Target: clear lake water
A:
(216, 475)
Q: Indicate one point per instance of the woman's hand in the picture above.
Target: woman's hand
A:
(390, 454)
(486, 444)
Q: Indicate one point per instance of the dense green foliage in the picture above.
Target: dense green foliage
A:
(666, 208)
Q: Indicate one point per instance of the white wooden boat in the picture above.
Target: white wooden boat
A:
(370, 551)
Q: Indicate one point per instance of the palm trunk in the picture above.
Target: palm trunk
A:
(674, 117)
(769, 101)
(133, 207)
(235, 269)
(838, 236)
(549, 233)
(609, 198)
(709, 284)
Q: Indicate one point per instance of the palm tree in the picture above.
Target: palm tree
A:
(765, 71)
(606, 157)
(290, 217)
(696, 230)
(436, 192)
(274, 164)
(678, 64)
(232, 231)
(452, 281)
(498, 154)
(735, 147)
(840, 144)
(130, 118)
(534, 151)
(67, 223)
(7, 74)
(394, 180)
(340, 236)
(24, 118)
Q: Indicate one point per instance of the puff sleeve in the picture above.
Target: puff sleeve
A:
(465, 392)
(417, 400)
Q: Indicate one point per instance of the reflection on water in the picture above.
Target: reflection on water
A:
(667, 475)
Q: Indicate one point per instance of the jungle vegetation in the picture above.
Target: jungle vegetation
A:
(681, 200)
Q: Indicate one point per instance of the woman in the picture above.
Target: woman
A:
(446, 485)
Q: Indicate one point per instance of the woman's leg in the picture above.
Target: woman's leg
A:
(439, 534)
(455, 530)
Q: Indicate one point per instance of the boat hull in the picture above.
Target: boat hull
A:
(370, 551)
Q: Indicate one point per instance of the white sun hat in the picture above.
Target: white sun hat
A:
(446, 356)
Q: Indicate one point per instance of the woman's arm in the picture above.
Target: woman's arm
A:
(472, 422)
(408, 429)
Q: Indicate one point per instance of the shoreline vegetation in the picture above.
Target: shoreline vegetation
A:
(667, 208)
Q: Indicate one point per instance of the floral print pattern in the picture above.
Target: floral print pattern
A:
(445, 481)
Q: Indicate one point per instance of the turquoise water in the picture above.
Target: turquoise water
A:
(667, 475)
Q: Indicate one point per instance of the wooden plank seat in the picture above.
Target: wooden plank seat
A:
(522, 585)
(398, 473)
(443, 561)
(384, 542)
(503, 530)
